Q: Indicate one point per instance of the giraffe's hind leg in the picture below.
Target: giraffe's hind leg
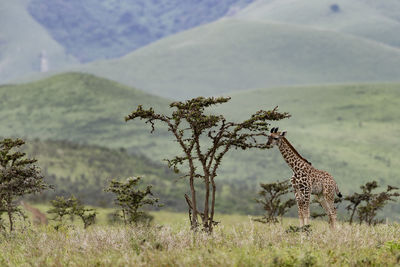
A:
(327, 202)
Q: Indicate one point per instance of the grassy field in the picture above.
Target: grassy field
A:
(239, 243)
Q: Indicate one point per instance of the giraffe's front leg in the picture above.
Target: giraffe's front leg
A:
(303, 205)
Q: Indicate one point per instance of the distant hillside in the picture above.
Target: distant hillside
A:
(337, 127)
(85, 171)
(350, 131)
(230, 55)
(25, 46)
(79, 107)
(94, 29)
(375, 20)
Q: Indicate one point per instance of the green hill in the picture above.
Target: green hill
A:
(343, 123)
(86, 170)
(231, 55)
(80, 108)
(375, 20)
(350, 131)
(94, 29)
(23, 41)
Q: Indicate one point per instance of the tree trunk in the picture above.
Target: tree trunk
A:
(205, 218)
(211, 221)
(352, 214)
(193, 223)
(9, 213)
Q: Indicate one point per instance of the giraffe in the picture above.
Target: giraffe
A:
(306, 180)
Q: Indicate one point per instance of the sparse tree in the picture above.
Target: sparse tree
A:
(204, 139)
(71, 207)
(19, 176)
(130, 199)
(367, 204)
(272, 200)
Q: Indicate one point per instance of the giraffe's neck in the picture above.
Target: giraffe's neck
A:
(296, 162)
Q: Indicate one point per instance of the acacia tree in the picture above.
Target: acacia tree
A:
(205, 139)
(18, 176)
(367, 204)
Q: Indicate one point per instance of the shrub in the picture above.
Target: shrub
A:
(272, 201)
(19, 176)
(71, 207)
(130, 199)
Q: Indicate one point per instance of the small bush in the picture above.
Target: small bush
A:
(130, 199)
(71, 207)
(272, 201)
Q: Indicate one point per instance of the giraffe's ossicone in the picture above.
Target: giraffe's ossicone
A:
(306, 180)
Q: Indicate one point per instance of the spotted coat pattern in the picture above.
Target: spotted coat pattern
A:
(306, 180)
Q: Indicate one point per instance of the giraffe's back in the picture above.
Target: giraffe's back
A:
(321, 181)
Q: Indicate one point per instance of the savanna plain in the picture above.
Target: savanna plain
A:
(168, 241)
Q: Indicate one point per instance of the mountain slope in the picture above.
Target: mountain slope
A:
(85, 171)
(98, 29)
(23, 42)
(80, 108)
(231, 55)
(375, 20)
(337, 127)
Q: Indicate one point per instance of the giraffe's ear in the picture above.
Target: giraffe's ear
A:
(283, 134)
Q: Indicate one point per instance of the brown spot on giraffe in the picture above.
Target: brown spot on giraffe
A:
(306, 180)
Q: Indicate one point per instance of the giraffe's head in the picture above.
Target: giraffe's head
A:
(275, 137)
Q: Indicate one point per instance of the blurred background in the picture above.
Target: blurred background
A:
(71, 70)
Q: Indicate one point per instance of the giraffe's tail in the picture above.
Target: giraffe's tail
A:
(338, 192)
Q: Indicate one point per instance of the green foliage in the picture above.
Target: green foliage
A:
(367, 204)
(204, 140)
(130, 199)
(71, 207)
(19, 176)
(272, 201)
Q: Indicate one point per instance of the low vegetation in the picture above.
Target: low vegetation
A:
(241, 244)
(130, 200)
(71, 207)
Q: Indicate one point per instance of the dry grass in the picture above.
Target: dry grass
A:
(243, 244)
